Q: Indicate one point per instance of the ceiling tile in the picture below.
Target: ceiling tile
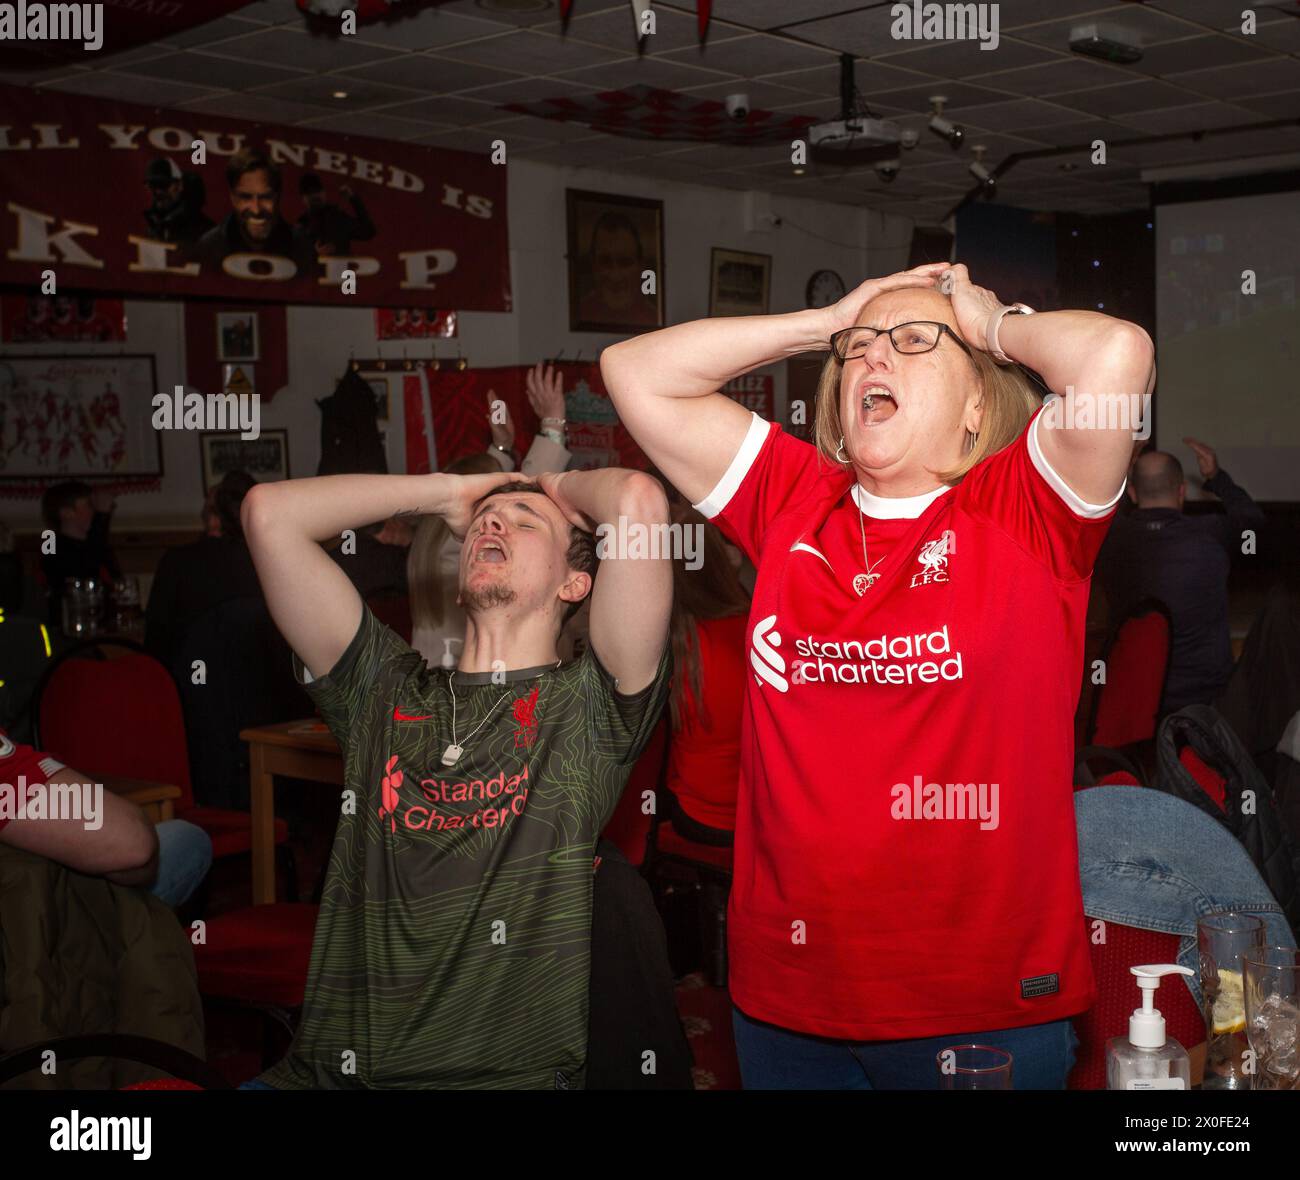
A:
(528, 90)
(1251, 78)
(616, 29)
(748, 57)
(961, 97)
(1016, 14)
(449, 109)
(1274, 106)
(303, 51)
(125, 88)
(427, 28)
(1132, 96)
(1216, 14)
(221, 29)
(318, 89)
(253, 106)
(1020, 113)
(528, 51)
(1196, 53)
(1057, 77)
(1150, 26)
(439, 75)
(762, 95)
(549, 16)
(964, 59)
(770, 14)
(646, 71)
(272, 12)
(863, 32)
(1283, 35)
(217, 72)
(1200, 116)
(532, 127)
(371, 123)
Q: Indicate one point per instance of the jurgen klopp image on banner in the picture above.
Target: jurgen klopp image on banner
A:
(254, 225)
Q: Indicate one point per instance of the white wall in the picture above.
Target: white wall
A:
(814, 235)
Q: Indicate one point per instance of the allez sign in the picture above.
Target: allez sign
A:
(110, 197)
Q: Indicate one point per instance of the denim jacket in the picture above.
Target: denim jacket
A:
(1151, 860)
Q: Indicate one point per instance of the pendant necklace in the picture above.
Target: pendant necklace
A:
(863, 582)
(451, 755)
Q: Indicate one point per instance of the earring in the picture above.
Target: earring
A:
(839, 454)
(972, 437)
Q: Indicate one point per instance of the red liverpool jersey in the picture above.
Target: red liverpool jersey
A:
(905, 859)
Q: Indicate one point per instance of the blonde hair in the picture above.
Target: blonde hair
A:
(428, 593)
(1009, 398)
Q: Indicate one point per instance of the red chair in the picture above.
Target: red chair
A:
(1126, 708)
(122, 716)
(1210, 780)
(1118, 995)
(258, 957)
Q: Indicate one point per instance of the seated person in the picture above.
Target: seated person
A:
(193, 578)
(118, 842)
(1158, 551)
(453, 944)
(80, 517)
(710, 663)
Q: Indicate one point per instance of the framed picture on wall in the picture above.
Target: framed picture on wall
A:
(78, 417)
(613, 241)
(739, 282)
(265, 458)
(237, 336)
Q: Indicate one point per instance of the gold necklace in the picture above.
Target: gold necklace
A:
(863, 582)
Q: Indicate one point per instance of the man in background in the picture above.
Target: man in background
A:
(80, 518)
(1156, 550)
(325, 229)
(174, 215)
(254, 225)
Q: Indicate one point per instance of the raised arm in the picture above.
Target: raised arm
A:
(665, 384)
(311, 599)
(633, 595)
(1104, 364)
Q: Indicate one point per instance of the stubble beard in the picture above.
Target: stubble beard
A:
(487, 597)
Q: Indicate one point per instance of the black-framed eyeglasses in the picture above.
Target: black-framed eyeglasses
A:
(911, 338)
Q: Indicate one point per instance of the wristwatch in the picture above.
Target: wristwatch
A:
(553, 428)
(995, 322)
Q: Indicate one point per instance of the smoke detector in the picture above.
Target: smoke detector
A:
(1107, 42)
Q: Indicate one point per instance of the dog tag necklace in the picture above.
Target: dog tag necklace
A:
(451, 755)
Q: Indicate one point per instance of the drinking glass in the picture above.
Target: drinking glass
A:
(83, 601)
(1272, 985)
(126, 604)
(1223, 937)
(973, 1067)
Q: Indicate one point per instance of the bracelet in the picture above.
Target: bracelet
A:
(995, 322)
(556, 421)
(556, 436)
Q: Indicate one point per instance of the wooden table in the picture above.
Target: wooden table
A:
(154, 799)
(298, 749)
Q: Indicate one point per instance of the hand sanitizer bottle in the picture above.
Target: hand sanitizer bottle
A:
(1146, 1059)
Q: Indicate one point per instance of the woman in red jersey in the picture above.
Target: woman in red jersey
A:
(905, 861)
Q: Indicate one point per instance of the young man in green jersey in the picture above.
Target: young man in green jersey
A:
(452, 948)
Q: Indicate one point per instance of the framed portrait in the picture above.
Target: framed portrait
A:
(739, 282)
(78, 417)
(237, 336)
(613, 241)
(378, 383)
(264, 458)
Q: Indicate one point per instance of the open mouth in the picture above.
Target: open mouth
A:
(489, 551)
(878, 404)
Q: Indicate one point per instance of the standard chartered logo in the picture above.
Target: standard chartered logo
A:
(765, 659)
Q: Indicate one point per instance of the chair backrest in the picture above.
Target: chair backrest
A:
(629, 826)
(119, 716)
(1126, 708)
(1118, 995)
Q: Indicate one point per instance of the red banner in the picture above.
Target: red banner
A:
(460, 414)
(72, 318)
(109, 196)
(754, 391)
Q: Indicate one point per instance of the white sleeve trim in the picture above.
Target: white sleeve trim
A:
(730, 483)
(1076, 503)
(51, 766)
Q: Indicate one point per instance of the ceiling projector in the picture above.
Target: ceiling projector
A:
(859, 138)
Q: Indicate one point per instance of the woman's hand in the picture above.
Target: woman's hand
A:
(552, 483)
(503, 433)
(458, 496)
(845, 313)
(545, 390)
(972, 306)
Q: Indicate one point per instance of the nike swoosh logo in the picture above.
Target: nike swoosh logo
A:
(398, 715)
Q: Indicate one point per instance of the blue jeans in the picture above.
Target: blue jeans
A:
(256, 1084)
(1151, 860)
(773, 1058)
(184, 857)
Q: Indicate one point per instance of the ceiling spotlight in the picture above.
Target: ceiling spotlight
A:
(338, 94)
(945, 128)
(887, 170)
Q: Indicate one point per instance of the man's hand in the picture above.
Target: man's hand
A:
(503, 433)
(396, 531)
(545, 389)
(460, 494)
(102, 500)
(1206, 459)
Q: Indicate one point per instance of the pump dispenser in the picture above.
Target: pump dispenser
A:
(1147, 1059)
